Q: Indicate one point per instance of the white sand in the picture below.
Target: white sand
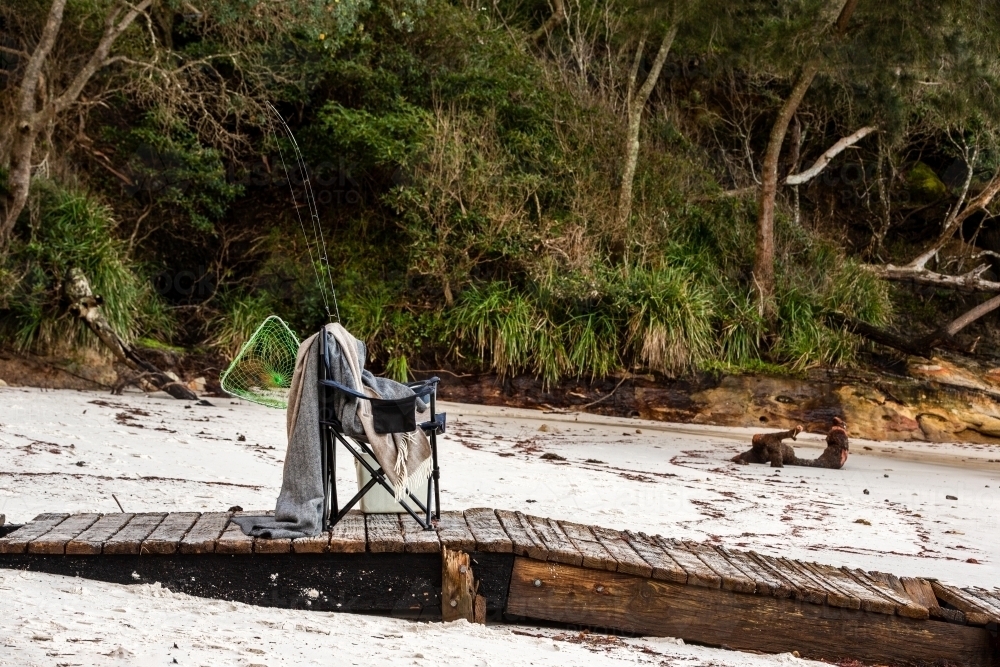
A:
(67, 451)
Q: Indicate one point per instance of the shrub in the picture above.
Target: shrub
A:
(71, 229)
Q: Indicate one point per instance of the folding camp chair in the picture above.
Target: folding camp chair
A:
(388, 416)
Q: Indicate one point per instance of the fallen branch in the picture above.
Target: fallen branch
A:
(876, 335)
(969, 282)
(918, 347)
(87, 307)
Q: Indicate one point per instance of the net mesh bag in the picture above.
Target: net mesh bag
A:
(262, 371)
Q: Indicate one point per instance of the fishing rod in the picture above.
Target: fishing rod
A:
(317, 229)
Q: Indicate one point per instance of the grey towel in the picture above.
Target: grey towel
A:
(299, 509)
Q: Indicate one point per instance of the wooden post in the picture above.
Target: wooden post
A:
(458, 592)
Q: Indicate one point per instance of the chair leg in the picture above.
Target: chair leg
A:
(436, 477)
(430, 483)
(378, 476)
(332, 459)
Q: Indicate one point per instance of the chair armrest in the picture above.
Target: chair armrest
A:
(346, 390)
(437, 425)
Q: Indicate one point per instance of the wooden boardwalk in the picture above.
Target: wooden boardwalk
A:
(539, 568)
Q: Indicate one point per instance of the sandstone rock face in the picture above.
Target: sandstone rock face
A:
(938, 401)
(900, 410)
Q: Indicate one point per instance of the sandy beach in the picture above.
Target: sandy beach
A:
(69, 451)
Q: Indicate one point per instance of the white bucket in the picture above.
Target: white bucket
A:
(380, 501)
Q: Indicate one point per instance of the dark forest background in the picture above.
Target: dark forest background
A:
(571, 188)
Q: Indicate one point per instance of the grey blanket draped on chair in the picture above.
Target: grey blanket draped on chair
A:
(405, 457)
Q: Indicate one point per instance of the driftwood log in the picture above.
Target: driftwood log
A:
(771, 448)
(86, 306)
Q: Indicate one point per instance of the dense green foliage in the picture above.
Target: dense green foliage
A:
(467, 180)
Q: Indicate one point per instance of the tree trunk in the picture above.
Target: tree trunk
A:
(26, 124)
(557, 17)
(18, 180)
(763, 268)
(636, 102)
(30, 117)
(87, 307)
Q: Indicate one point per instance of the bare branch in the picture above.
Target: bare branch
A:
(633, 74)
(828, 156)
(978, 204)
(99, 58)
(635, 103)
(654, 72)
(15, 52)
(970, 162)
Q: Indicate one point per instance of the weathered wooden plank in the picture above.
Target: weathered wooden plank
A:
(974, 612)
(985, 598)
(629, 561)
(834, 596)
(168, 535)
(384, 533)
(883, 584)
(277, 545)
(525, 542)
(490, 535)
(348, 536)
(870, 600)
(315, 544)
(920, 591)
(417, 540)
(54, 541)
(664, 567)
(986, 594)
(17, 542)
(732, 578)
(91, 541)
(594, 553)
(802, 588)
(595, 598)
(129, 539)
(454, 532)
(560, 549)
(233, 540)
(765, 581)
(204, 534)
(269, 545)
(698, 573)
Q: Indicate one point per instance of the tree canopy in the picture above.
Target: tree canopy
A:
(575, 188)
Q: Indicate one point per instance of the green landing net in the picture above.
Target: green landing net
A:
(262, 371)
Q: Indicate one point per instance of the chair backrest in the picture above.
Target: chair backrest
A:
(397, 415)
